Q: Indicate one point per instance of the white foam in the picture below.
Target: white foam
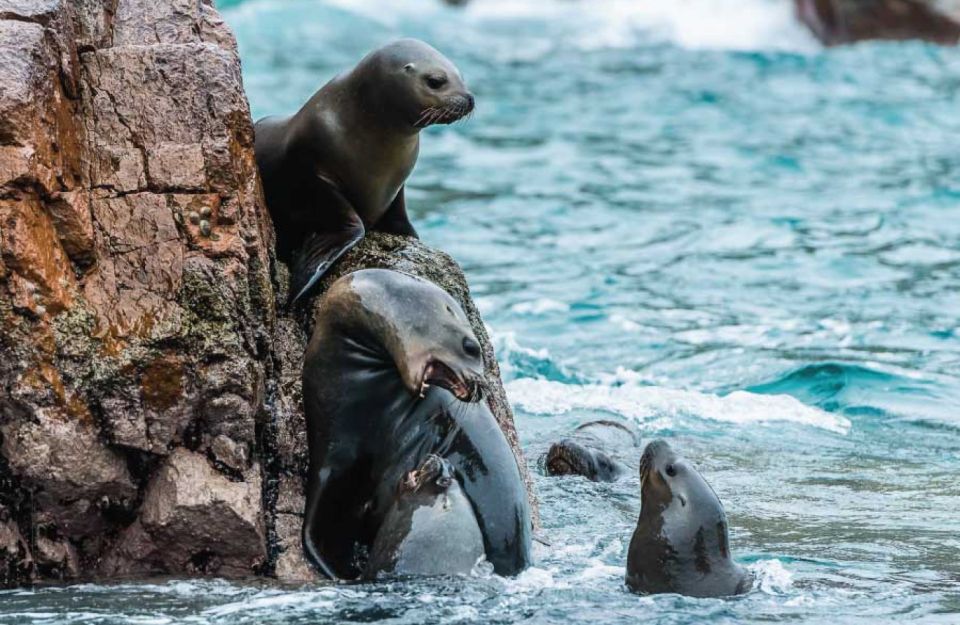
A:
(533, 579)
(771, 576)
(644, 404)
(603, 24)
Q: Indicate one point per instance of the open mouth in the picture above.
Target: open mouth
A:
(431, 471)
(439, 374)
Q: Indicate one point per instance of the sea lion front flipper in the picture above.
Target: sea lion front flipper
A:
(395, 220)
(314, 494)
(318, 253)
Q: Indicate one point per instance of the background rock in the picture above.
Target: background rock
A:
(150, 417)
(837, 22)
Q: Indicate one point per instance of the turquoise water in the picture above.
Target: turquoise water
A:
(694, 218)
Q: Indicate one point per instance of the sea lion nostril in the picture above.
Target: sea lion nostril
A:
(471, 101)
(471, 347)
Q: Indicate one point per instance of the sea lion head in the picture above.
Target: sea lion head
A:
(591, 451)
(675, 497)
(422, 328)
(569, 457)
(426, 88)
(435, 475)
(667, 479)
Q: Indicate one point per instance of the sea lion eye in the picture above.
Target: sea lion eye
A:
(671, 470)
(436, 81)
(471, 347)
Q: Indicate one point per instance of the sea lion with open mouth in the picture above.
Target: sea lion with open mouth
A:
(430, 529)
(337, 167)
(594, 450)
(393, 373)
(681, 543)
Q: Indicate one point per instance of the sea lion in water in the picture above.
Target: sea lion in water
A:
(337, 167)
(681, 542)
(430, 529)
(392, 374)
(593, 450)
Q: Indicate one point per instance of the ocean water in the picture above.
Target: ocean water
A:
(688, 215)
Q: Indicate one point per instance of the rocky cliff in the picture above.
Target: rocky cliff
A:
(150, 418)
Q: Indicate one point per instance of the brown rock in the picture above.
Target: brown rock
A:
(197, 517)
(836, 22)
(177, 167)
(63, 462)
(73, 222)
(56, 557)
(31, 249)
(16, 561)
(291, 565)
(125, 336)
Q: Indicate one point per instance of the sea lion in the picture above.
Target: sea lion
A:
(593, 450)
(337, 167)
(392, 374)
(681, 542)
(430, 529)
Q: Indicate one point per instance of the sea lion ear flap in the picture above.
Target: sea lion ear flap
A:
(318, 253)
(410, 68)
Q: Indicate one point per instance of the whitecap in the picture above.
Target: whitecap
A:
(771, 577)
(644, 404)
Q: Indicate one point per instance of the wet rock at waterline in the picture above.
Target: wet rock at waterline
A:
(151, 388)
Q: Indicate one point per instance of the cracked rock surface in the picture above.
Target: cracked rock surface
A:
(150, 416)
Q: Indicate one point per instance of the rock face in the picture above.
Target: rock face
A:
(837, 22)
(150, 417)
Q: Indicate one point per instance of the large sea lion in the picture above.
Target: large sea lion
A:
(681, 542)
(430, 528)
(594, 450)
(392, 374)
(337, 167)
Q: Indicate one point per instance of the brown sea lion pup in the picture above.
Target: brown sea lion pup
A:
(681, 543)
(337, 167)
(430, 529)
(594, 450)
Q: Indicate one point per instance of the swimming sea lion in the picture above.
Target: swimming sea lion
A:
(430, 529)
(593, 450)
(392, 374)
(338, 166)
(681, 542)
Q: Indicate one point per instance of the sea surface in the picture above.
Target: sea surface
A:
(689, 215)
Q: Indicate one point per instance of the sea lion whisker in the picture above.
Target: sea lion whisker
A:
(423, 115)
